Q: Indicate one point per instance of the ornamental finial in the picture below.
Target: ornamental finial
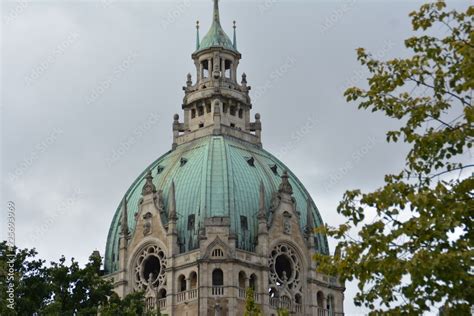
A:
(235, 36)
(149, 187)
(285, 186)
(198, 42)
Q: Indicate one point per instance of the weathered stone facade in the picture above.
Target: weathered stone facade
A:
(208, 271)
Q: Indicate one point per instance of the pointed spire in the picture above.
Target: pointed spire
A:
(216, 16)
(198, 42)
(235, 36)
(309, 217)
(149, 187)
(172, 203)
(285, 186)
(124, 220)
(261, 203)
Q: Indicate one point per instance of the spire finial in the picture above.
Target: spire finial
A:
(309, 216)
(235, 36)
(172, 203)
(198, 41)
(148, 187)
(261, 202)
(216, 12)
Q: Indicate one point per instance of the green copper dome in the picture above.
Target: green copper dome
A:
(216, 37)
(214, 176)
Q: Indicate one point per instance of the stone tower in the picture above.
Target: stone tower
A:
(218, 214)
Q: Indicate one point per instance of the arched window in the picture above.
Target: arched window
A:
(241, 113)
(217, 277)
(193, 113)
(298, 299)
(242, 280)
(253, 282)
(320, 299)
(182, 283)
(162, 293)
(330, 304)
(205, 69)
(227, 65)
(193, 280)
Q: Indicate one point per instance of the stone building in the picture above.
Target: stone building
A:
(218, 214)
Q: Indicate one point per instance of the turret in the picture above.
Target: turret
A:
(216, 59)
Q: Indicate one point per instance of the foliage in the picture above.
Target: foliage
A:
(131, 305)
(418, 250)
(283, 312)
(60, 288)
(30, 287)
(251, 308)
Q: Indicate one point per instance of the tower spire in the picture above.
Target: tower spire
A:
(216, 18)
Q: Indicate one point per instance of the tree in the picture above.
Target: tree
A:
(60, 288)
(29, 289)
(251, 308)
(417, 252)
(131, 305)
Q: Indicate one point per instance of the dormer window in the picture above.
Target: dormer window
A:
(244, 223)
(274, 169)
(217, 253)
(159, 169)
(191, 221)
(250, 161)
(183, 161)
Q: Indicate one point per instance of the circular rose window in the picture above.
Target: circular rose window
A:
(150, 268)
(284, 268)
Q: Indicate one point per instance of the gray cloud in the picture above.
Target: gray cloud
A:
(84, 90)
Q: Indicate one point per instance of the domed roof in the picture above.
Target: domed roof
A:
(214, 176)
(216, 37)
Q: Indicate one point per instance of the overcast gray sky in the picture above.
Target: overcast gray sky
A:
(89, 89)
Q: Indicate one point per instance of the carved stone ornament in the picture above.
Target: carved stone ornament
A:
(147, 224)
(285, 186)
(287, 223)
(148, 187)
